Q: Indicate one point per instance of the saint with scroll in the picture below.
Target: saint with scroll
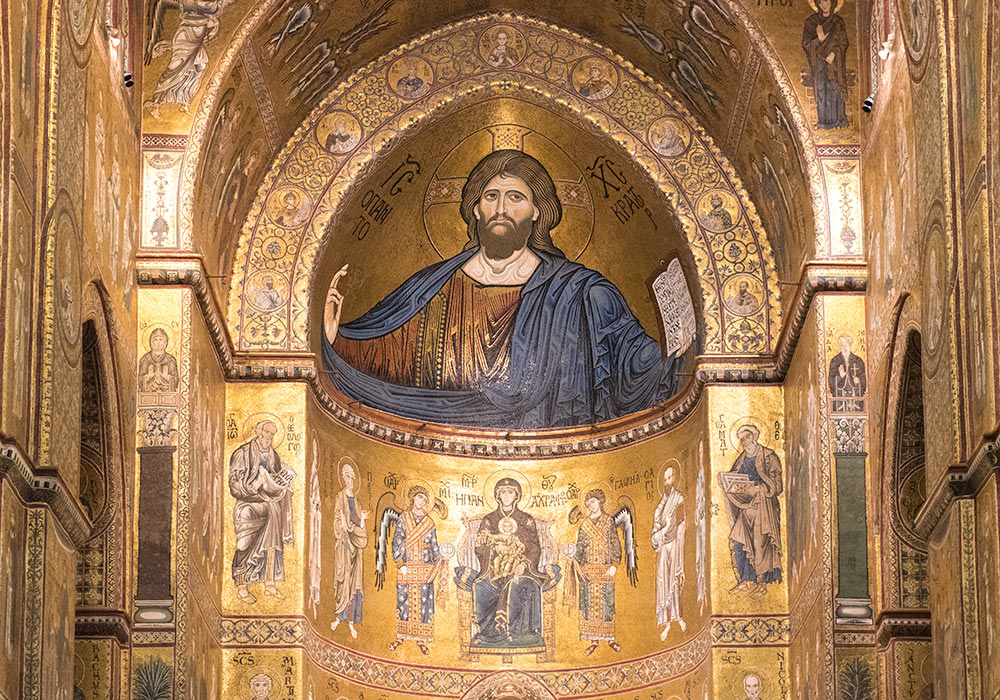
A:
(506, 334)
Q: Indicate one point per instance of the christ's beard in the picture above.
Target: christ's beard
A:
(500, 237)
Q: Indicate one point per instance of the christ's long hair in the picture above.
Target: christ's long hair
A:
(513, 163)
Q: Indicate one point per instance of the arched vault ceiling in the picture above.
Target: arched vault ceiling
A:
(300, 209)
(270, 63)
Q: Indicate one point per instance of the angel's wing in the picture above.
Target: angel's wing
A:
(575, 515)
(547, 542)
(387, 515)
(364, 30)
(154, 25)
(624, 520)
(467, 544)
(441, 507)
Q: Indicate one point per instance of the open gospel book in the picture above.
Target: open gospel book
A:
(673, 299)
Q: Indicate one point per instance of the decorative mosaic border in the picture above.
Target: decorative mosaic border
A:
(324, 179)
(164, 142)
(751, 631)
(970, 608)
(34, 601)
(414, 679)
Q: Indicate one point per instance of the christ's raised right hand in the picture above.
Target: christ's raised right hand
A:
(334, 305)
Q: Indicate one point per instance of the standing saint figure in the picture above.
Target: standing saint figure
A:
(262, 516)
(158, 368)
(668, 543)
(348, 566)
(199, 23)
(824, 39)
(419, 561)
(701, 533)
(847, 379)
(751, 488)
(598, 553)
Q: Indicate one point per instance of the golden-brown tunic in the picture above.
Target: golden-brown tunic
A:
(459, 340)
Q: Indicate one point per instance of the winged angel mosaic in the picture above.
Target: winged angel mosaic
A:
(420, 564)
(508, 333)
(594, 560)
(198, 24)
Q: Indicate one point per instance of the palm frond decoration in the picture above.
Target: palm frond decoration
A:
(856, 681)
(153, 680)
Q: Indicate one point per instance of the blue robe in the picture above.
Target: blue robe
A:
(578, 355)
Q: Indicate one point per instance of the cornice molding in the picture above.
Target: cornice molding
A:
(92, 624)
(818, 276)
(913, 625)
(38, 487)
(957, 482)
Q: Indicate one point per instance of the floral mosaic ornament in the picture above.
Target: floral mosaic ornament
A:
(725, 241)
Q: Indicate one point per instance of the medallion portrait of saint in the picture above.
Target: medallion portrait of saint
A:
(502, 54)
(420, 566)
(508, 333)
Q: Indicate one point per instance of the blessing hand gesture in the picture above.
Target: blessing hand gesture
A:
(334, 305)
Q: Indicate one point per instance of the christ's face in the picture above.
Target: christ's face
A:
(505, 213)
(507, 496)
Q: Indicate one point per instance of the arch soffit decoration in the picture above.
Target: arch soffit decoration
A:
(906, 321)
(95, 309)
(324, 179)
(256, 18)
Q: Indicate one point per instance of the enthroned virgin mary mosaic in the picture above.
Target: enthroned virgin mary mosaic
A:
(508, 333)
